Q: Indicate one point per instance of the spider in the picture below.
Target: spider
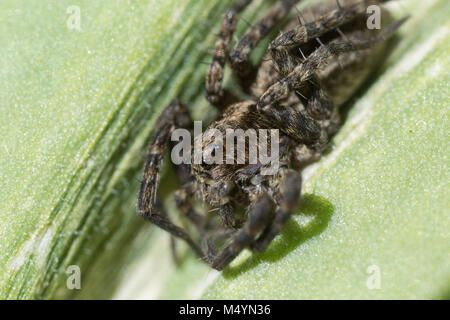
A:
(309, 70)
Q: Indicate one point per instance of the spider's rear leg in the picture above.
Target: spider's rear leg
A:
(239, 57)
(214, 78)
(289, 193)
(260, 213)
(174, 116)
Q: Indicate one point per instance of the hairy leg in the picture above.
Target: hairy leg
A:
(322, 109)
(316, 60)
(175, 115)
(214, 78)
(162, 221)
(182, 200)
(239, 57)
(260, 213)
(303, 33)
(289, 193)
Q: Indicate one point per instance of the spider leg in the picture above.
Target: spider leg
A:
(164, 223)
(158, 144)
(322, 108)
(214, 78)
(279, 48)
(209, 241)
(303, 155)
(303, 33)
(160, 208)
(332, 20)
(239, 57)
(175, 115)
(297, 124)
(289, 193)
(227, 217)
(305, 71)
(182, 196)
(226, 207)
(319, 105)
(259, 214)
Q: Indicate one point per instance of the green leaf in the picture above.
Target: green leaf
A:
(77, 106)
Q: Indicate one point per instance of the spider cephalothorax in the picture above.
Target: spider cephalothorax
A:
(309, 71)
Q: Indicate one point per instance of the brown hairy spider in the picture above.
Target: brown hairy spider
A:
(297, 89)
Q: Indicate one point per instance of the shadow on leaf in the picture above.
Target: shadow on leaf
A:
(312, 218)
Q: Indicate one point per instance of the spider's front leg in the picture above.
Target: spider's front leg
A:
(182, 200)
(289, 193)
(322, 109)
(319, 58)
(175, 115)
(303, 33)
(259, 215)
